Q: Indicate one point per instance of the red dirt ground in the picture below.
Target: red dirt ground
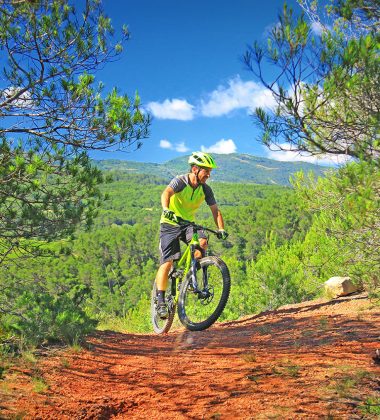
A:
(314, 360)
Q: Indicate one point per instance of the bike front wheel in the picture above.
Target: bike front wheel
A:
(198, 310)
(161, 326)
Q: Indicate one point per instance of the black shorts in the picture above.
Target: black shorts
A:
(170, 235)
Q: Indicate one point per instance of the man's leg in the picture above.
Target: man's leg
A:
(162, 275)
(203, 244)
(162, 282)
(169, 251)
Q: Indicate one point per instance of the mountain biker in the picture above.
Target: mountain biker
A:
(181, 198)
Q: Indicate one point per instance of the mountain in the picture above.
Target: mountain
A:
(235, 167)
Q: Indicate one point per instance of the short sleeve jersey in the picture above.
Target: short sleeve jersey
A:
(186, 200)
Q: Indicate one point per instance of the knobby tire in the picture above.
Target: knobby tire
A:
(162, 326)
(221, 276)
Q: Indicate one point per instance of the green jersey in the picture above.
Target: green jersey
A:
(186, 200)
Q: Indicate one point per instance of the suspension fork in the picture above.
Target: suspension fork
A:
(173, 284)
(193, 272)
(205, 278)
(193, 268)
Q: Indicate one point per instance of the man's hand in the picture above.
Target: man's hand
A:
(170, 215)
(222, 234)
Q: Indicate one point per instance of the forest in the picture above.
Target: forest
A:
(277, 253)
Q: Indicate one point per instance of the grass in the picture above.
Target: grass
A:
(253, 378)
(3, 369)
(293, 370)
(20, 415)
(323, 323)
(65, 363)
(39, 385)
(344, 386)
(128, 324)
(29, 357)
(276, 414)
(264, 329)
(349, 380)
(307, 333)
(371, 407)
(76, 348)
(287, 368)
(249, 357)
(4, 388)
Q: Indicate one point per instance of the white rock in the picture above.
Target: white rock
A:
(340, 286)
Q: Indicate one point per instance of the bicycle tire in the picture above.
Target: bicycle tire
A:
(190, 311)
(162, 326)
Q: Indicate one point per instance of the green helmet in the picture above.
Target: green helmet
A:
(202, 159)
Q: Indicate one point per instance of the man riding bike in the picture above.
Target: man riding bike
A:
(182, 198)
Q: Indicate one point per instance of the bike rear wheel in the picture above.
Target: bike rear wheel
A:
(161, 326)
(198, 311)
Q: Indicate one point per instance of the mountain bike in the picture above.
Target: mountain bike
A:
(199, 288)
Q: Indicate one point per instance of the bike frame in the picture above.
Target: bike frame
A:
(187, 259)
(188, 262)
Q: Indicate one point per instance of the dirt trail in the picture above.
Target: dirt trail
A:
(306, 361)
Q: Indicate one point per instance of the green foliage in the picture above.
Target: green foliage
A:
(325, 89)
(106, 274)
(347, 205)
(138, 317)
(280, 250)
(276, 278)
(342, 240)
(364, 13)
(39, 385)
(371, 407)
(52, 113)
(37, 204)
(327, 102)
(40, 317)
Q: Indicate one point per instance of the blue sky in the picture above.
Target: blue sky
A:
(184, 59)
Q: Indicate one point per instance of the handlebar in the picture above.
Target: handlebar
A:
(184, 222)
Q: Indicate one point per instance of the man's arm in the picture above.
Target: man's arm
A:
(165, 197)
(217, 216)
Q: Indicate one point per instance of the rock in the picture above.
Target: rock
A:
(340, 286)
(376, 358)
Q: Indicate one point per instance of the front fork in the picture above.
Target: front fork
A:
(193, 268)
(204, 293)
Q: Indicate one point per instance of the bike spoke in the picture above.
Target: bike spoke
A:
(202, 303)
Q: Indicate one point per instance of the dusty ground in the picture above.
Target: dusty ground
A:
(308, 361)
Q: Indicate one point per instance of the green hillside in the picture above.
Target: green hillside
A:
(276, 253)
(235, 167)
(104, 275)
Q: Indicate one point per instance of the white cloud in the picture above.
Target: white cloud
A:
(288, 155)
(23, 101)
(238, 95)
(181, 147)
(223, 100)
(178, 147)
(174, 109)
(317, 28)
(165, 144)
(222, 146)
